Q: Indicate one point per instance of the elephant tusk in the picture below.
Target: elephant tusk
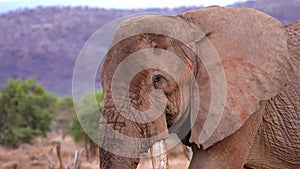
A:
(159, 155)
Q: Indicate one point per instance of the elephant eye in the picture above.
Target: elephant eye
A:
(157, 80)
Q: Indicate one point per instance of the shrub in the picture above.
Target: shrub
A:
(25, 111)
(89, 117)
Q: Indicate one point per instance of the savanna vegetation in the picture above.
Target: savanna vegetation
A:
(27, 110)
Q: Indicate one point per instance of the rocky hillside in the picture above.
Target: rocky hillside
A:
(44, 42)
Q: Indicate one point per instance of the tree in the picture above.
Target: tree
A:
(89, 118)
(25, 111)
(63, 115)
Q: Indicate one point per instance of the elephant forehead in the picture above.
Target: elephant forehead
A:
(149, 58)
(170, 26)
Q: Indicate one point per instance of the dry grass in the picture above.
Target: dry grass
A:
(42, 152)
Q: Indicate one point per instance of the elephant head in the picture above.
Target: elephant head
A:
(200, 75)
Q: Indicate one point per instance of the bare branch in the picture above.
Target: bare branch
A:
(50, 160)
(58, 151)
(76, 156)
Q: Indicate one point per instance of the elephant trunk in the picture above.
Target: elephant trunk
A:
(118, 148)
(109, 160)
(159, 155)
(122, 139)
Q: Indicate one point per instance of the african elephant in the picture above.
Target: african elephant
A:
(226, 81)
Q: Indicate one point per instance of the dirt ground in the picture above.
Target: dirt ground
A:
(42, 154)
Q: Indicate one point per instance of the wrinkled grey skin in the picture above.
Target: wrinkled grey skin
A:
(277, 143)
(269, 139)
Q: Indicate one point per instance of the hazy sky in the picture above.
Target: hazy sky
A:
(120, 4)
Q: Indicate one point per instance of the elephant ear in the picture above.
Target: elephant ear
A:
(252, 49)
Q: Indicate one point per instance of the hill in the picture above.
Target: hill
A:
(44, 42)
(284, 10)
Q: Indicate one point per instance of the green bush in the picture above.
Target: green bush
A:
(63, 115)
(25, 111)
(89, 117)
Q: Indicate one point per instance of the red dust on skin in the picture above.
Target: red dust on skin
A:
(244, 116)
(234, 63)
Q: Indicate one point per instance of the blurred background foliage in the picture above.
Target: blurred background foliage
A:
(27, 109)
(89, 118)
